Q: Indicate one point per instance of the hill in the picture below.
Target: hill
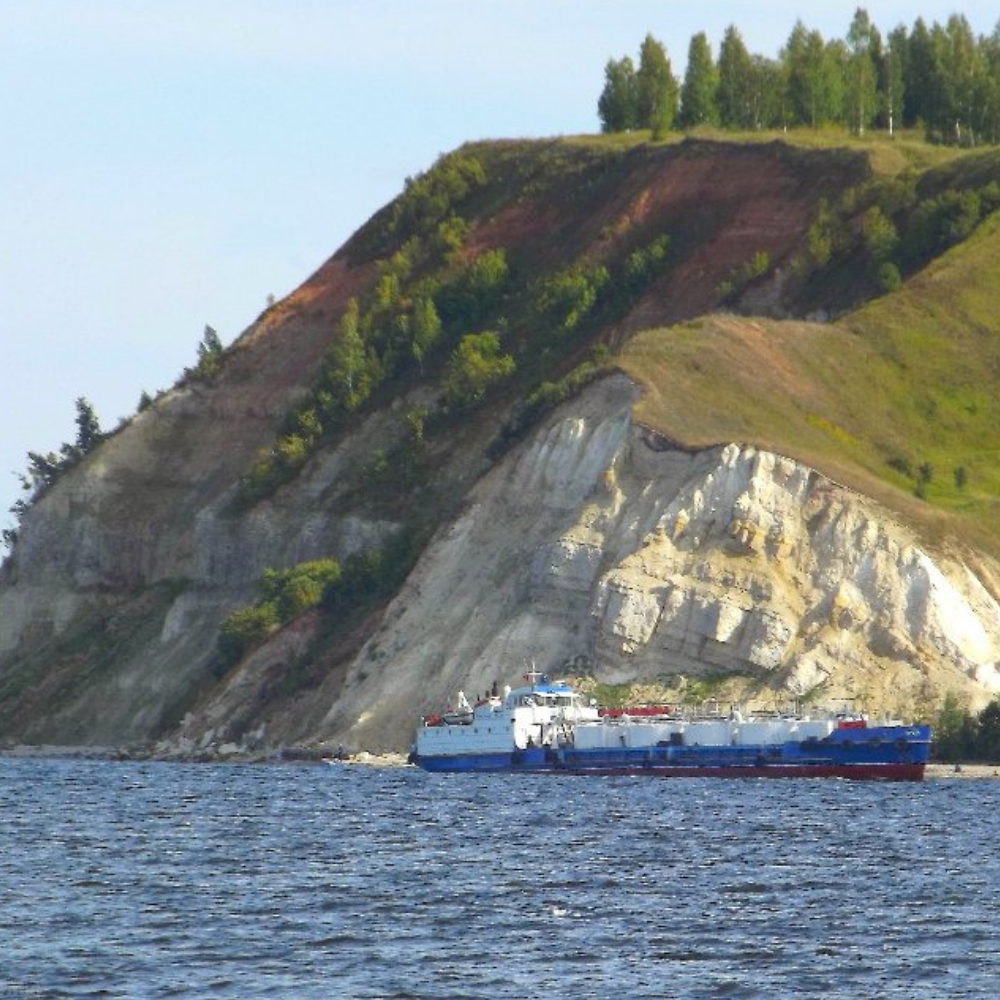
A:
(278, 549)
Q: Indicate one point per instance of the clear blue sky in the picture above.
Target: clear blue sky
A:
(170, 163)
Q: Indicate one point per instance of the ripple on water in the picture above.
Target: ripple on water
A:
(135, 880)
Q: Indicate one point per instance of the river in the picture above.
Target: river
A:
(301, 882)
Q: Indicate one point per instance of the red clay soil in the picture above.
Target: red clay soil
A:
(720, 204)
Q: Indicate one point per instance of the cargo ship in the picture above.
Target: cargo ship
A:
(551, 727)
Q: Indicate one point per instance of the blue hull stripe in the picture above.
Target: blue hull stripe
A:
(891, 753)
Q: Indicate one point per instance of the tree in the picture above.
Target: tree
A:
(957, 80)
(347, 357)
(656, 88)
(861, 79)
(426, 328)
(209, 355)
(990, 47)
(475, 365)
(701, 85)
(892, 80)
(767, 98)
(736, 83)
(815, 74)
(88, 430)
(989, 732)
(43, 470)
(879, 234)
(920, 77)
(618, 105)
(244, 629)
(795, 57)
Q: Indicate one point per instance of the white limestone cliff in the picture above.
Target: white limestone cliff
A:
(596, 548)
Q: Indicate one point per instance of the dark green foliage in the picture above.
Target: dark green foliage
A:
(88, 428)
(940, 222)
(44, 470)
(473, 295)
(563, 299)
(643, 265)
(699, 94)
(285, 594)
(375, 574)
(474, 367)
(961, 477)
(244, 629)
(901, 465)
(887, 277)
(657, 93)
(437, 194)
(210, 352)
(545, 397)
(943, 79)
(618, 105)
(736, 83)
(961, 736)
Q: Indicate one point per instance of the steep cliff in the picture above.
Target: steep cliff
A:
(598, 550)
(571, 535)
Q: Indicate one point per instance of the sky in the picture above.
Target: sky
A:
(169, 164)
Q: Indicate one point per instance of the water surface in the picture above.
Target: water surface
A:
(301, 882)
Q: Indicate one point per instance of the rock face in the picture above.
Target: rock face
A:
(592, 547)
(596, 548)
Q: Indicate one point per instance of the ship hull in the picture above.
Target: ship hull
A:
(872, 759)
(852, 772)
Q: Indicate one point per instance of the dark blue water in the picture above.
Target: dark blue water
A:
(198, 881)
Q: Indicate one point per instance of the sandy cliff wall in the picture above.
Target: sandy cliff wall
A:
(596, 548)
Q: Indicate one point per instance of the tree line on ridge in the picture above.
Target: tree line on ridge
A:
(943, 79)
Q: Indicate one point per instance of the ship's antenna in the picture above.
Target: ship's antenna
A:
(532, 675)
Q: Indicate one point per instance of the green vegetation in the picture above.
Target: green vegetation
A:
(284, 594)
(941, 79)
(960, 735)
(339, 589)
(756, 267)
(878, 400)
(45, 470)
(210, 351)
(475, 365)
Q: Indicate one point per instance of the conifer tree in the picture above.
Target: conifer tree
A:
(88, 428)
(919, 77)
(736, 82)
(656, 88)
(701, 85)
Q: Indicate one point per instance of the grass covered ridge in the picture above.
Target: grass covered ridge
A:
(898, 399)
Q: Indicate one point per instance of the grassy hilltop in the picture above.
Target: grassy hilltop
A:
(897, 397)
